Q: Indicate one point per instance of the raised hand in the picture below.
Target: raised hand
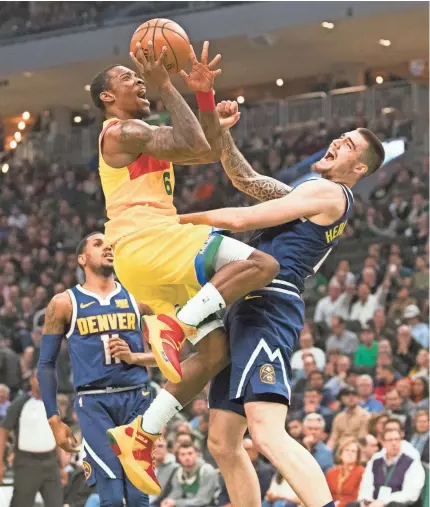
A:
(202, 76)
(228, 112)
(153, 71)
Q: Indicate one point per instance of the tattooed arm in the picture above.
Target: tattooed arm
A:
(243, 176)
(57, 318)
(184, 140)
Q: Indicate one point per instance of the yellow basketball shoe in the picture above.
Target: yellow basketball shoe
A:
(167, 334)
(134, 447)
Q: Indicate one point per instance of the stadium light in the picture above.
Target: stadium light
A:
(21, 125)
(13, 144)
(328, 25)
(77, 119)
(25, 115)
(17, 136)
(240, 99)
(379, 79)
(280, 82)
(87, 88)
(385, 42)
(5, 168)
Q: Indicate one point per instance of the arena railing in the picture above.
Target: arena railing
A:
(409, 101)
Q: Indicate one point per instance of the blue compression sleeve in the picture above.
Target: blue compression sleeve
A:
(47, 371)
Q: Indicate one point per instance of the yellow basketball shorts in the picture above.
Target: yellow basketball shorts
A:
(165, 265)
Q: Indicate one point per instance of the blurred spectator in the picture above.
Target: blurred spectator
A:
(406, 351)
(199, 407)
(295, 428)
(368, 303)
(367, 351)
(394, 408)
(309, 366)
(385, 380)
(263, 470)
(4, 400)
(341, 339)
(339, 380)
(165, 467)
(421, 367)
(312, 404)
(306, 343)
(313, 429)
(365, 391)
(380, 327)
(36, 462)
(369, 446)
(421, 275)
(419, 330)
(420, 436)
(399, 305)
(194, 482)
(345, 478)
(353, 421)
(394, 479)
(420, 393)
(336, 303)
(280, 493)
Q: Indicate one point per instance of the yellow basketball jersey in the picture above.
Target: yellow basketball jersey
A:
(137, 196)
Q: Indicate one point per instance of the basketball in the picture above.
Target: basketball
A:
(164, 32)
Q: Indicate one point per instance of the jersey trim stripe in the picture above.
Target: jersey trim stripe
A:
(74, 313)
(272, 356)
(99, 461)
(283, 282)
(276, 289)
(136, 308)
(103, 301)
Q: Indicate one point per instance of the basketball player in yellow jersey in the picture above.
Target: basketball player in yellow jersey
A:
(158, 260)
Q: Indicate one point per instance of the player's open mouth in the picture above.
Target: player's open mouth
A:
(108, 256)
(327, 161)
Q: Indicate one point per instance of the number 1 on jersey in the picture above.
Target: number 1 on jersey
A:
(108, 358)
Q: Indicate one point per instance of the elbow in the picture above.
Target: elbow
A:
(238, 224)
(200, 148)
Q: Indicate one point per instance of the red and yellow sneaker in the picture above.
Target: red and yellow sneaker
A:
(167, 334)
(134, 447)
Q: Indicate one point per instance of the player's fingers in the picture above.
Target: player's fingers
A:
(151, 57)
(140, 54)
(137, 64)
(193, 57)
(184, 75)
(215, 61)
(216, 73)
(205, 53)
(162, 59)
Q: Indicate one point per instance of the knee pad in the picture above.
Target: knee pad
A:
(231, 250)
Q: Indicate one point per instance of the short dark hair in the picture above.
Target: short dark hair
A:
(100, 84)
(394, 420)
(80, 249)
(384, 434)
(375, 154)
(187, 445)
(310, 389)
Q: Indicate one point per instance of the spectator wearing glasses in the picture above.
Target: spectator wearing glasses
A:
(393, 479)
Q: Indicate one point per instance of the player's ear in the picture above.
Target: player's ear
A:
(361, 169)
(107, 97)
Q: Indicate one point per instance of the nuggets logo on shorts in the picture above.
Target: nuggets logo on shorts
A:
(267, 374)
(121, 303)
(87, 469)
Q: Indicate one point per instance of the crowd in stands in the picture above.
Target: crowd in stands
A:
(360, 372)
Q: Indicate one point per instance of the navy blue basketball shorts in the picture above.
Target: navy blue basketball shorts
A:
(96, 414)
(263, 330)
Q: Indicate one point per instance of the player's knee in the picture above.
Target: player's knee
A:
(268, 267)
(218, 445)
(261, 434)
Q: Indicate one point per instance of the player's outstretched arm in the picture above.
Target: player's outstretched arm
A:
(57, 317)
(184, 140)
(318, 198)
(238, 169)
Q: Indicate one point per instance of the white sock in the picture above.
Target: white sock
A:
(206, 302)
(159, 413)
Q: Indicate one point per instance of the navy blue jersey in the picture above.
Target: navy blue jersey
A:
(301, 246)
(94, 322)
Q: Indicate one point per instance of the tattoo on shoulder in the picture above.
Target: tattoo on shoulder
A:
(56, 316)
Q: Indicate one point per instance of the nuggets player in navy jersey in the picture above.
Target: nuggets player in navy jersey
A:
(298, 227)
(101, 322)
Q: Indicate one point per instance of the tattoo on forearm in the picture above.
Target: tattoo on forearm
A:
(243, 176)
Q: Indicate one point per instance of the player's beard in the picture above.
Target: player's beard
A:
(104, 271)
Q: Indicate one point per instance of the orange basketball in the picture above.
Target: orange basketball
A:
(164, 32)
